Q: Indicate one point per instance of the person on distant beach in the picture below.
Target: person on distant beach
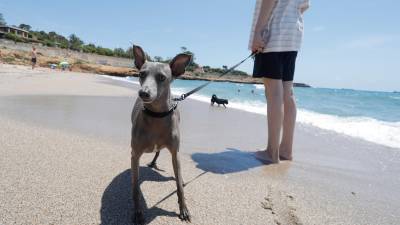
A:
(34, 57)
(276, 37)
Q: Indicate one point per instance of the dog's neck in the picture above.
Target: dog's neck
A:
(162, 104)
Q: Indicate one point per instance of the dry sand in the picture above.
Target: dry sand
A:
(65, 158)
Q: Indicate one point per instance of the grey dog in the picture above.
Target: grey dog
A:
(155, 122)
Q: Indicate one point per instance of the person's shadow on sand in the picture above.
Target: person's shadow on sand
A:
(117, 204)
(229, 161)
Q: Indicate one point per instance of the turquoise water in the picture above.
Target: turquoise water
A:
(383, 106)
(369, 115)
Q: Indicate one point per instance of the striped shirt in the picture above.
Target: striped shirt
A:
(284, 30)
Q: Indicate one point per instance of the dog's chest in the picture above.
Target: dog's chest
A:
(157, 140)
(153, 134)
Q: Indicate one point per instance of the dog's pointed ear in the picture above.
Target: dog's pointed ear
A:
(139, 56)
(179, 63)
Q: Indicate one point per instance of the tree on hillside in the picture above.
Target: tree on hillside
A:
(225, 67)
(52, 35)
(148, 57)
(158, 58)
(129, 52)
(192, 65)
(2, 20)
(206, 68)
(119, 52)
(104, 51)
(25, 26)
(58, 39)
(75, 43)
(40, 35)
(89, 48)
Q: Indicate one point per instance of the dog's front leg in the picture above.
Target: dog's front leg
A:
(183, 211)
(138, 217)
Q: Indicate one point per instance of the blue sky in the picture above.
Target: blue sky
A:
(347, 44)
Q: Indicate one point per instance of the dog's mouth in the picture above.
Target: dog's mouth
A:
(146, 100)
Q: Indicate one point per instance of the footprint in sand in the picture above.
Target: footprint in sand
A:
(281, 206)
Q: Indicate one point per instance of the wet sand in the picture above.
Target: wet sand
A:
(65, 158)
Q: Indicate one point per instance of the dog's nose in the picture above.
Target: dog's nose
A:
(144, 94)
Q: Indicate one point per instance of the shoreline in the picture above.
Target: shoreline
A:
(71, 132)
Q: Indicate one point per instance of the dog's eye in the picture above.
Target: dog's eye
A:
(161, 77)
(142, 75)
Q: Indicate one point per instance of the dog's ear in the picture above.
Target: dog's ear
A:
(139, 56)
(179, 63)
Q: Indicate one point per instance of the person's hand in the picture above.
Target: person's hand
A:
(258, 45)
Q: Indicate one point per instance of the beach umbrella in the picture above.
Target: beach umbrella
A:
(64, 63)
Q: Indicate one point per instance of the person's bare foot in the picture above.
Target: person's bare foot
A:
(285, 155)
(264, 156)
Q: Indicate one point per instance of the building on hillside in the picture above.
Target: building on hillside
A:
(199, 69)
(14, 30)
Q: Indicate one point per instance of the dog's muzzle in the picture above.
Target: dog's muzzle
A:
(145, 96)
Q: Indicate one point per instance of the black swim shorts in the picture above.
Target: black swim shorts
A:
(275, 65)
(33, 60)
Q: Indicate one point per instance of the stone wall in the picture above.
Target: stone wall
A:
(50, 51)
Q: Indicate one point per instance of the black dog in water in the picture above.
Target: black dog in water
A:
(219, 101)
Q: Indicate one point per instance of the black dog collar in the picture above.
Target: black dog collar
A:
(159, 114)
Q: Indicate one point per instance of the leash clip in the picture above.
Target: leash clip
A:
(181, 98)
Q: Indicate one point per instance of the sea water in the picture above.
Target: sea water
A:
(369, 115)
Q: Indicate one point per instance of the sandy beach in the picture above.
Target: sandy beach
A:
(65, 159)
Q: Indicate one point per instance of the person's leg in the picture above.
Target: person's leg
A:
(274, 94)
(289, 103)
(289, 121)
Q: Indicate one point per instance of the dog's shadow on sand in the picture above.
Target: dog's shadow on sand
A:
(117, 204)
(229, 161)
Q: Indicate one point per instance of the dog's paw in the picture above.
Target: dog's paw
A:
(138, 218)
(184, 214)
(152, 165)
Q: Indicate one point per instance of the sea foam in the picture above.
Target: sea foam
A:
(123, 79)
